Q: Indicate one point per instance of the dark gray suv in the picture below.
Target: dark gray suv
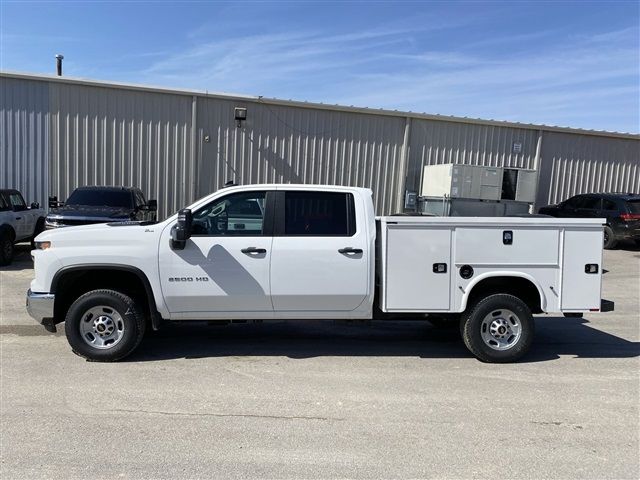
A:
(622, 211)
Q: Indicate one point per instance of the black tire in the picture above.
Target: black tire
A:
(6, 248)
(37, 231)
(609, 239)
(473, 323)
(121, 309)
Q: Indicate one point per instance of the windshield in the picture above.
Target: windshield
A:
(101, 198)
(634, 206)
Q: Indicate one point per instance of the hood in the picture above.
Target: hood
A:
(75, 211)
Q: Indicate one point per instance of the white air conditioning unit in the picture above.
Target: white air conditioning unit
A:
(478, 182)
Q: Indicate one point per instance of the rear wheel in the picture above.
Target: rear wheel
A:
(609, 239)
(498, 329)
(6, 249)
(104, 325)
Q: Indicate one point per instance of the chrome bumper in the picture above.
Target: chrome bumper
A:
(40, 305)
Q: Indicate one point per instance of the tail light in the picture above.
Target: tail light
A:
(628, 217)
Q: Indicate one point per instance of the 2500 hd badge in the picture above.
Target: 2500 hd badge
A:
(188, 279)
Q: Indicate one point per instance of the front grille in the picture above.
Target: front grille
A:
(71, 223)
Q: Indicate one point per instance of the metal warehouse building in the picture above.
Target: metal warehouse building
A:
(58, 133)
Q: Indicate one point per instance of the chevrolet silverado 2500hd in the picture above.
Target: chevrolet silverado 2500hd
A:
(313, 252)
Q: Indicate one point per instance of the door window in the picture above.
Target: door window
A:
(238, 214)
(320, 214)
(3, 204)
(589, 203)
(609, 204)
(139, 199)
(17, 202)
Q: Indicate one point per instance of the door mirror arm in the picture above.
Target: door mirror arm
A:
(181, 231)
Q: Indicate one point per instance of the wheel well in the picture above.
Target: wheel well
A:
(519, 287)
(69, 285)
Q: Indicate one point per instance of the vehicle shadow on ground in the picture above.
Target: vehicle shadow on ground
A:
(628, 246)
(555, 336)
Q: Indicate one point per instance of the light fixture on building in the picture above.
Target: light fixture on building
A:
(241, 115)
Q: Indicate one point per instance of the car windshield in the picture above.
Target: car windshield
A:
(101, 198)
(634, 206)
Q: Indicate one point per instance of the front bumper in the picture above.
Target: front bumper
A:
(40, 306)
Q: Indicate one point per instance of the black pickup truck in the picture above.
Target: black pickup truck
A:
(88, 205)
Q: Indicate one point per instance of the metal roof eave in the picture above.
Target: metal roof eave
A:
(319, 106)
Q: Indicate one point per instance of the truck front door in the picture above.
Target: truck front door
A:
(223, 270)
(320, 260)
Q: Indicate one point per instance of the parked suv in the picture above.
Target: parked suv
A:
(622, 211)
(88, 205)
(18, 222)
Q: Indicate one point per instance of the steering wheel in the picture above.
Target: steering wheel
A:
(222, 222)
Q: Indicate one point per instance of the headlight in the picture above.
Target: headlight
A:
(42, 245)
(51, 223)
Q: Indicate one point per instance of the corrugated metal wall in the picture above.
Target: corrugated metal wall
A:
(437, 142)
(294, 145)
(24, 137)
(103, 136)
(575, 164)
(57, 135)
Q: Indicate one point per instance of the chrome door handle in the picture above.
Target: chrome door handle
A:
(348, 250)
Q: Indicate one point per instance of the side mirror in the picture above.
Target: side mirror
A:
(35, 205)
(181, 231)
(152, 205)
(54, 203)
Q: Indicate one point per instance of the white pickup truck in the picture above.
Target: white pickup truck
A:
(313, 252)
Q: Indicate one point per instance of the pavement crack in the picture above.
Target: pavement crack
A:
(242, 415)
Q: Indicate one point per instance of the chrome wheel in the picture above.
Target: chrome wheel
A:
(501, 329)
(101, 327)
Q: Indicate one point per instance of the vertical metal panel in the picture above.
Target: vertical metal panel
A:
(283, 144)
(437, 142)
(24, 137)
(105, 136)
(573, 164)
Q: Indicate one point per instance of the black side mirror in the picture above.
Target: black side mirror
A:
(152, 205)
(181, 231)
(35, 205)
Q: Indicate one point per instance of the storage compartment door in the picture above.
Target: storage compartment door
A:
(411, 283)
(581, 290)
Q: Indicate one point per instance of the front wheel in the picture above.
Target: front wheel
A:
(498, 329)
(104, 325)
(6, 249)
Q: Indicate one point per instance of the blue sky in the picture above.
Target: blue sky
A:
(559, 63)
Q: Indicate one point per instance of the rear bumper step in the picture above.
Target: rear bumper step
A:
(606, 305)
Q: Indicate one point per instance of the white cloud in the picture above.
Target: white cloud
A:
(572, 80)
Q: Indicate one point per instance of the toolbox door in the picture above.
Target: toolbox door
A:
(418, 268)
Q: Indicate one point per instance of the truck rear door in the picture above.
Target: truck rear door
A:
(320, 254)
